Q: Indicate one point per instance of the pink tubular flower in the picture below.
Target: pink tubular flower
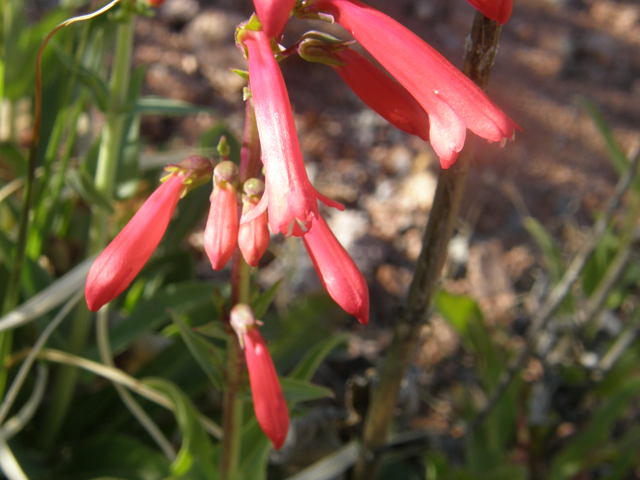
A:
(375, 88)
(291, 199)
(453, 102)
(253, 236)
(122, 260)
(268, 401)
(337, 271)
(498, 10)
(274, 15)
(221, 231)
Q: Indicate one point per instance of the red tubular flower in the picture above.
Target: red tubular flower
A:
(337, 271)
(291, 199)
(375, 88)
(122, 260)
(453, 102)
(221, 231)
(268, 400)
(253, 236)
(498, 10)
(274, 15)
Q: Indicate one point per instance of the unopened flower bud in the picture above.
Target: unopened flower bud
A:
(221, 231)
(253, 236)
(268, 401)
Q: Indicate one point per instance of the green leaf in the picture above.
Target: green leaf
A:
(90, 79)
(261, 304)
(548, 246)
(167, 106)
(213, 330)
(128, 178)
(571, 461)
(15, 159)
(154, 312)
(255, 448)
(115, 456)
(503, 472)
(195, 457)
(82, 184)
(617, 157)
(457, 310)
(315, 356)
(206, 354)
(296, 391)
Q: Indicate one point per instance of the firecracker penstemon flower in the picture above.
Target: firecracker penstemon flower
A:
(453, 102)
(291, 200)
(268, 401)
(375, 88)
(119, 263)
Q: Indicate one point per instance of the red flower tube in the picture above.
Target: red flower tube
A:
(268, 401)
(124, 257)
(375, 88)
(498, 10)
(453, 102)
(337, 271)
(291, 199)
(274, 15)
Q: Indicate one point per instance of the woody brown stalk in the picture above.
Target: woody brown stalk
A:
(479, 57)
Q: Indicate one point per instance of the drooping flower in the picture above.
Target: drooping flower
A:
(453, 102)
(274, 15)
(337, 271)
(119, 263)
(253, 236)
(498, 10)
(291, 199)
(375, 88)
(268, 401)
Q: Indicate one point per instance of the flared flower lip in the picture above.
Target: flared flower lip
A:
(453, 102)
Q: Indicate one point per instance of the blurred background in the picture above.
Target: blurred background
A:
(567, 71)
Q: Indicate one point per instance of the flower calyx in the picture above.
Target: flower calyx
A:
(195, 170)
(320, 47)
(305, 10)
(241, 320)
(225, 173)
(253, 189)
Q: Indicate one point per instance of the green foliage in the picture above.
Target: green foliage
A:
(195, 459)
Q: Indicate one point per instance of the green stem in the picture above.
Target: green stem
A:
(233, 402)
(112, 136)
(449, 192)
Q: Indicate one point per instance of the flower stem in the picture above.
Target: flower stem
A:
(233, 403)
(412, 317)
(112, 136)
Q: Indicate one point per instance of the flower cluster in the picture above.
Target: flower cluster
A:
(427, 97)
